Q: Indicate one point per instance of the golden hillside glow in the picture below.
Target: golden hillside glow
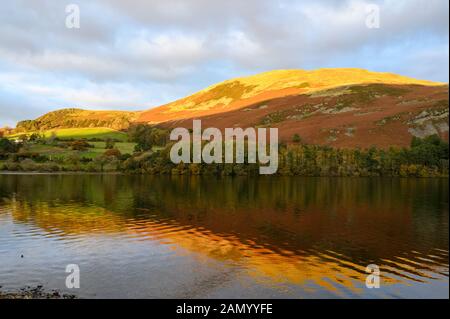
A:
(279, 81)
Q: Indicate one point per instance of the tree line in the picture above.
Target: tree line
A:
(427, 157)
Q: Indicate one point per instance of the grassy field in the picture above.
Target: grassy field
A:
(98, 149)
(83, 133)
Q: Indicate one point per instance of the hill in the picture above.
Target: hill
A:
(78, 118)
(241, 92)
(381, 115)
(336, 107)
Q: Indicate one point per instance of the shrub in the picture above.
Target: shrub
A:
(102, 160)
(428, 151)
(130, 164)
(34, 137)
(296, 138)
(91, 167)
(71, 168)
(73, 159)
(146, 136)
(49, 167)
(63, 144)
(6, 146)
(12, 166)
(85, 160)
(28, 165)
(113, 152)
(17, 157)
(124, 157)
(80, 145)
(109, 144)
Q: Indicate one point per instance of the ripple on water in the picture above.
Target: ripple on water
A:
(209, 246)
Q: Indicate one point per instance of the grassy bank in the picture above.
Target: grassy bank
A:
(97, 149)
(100, 133)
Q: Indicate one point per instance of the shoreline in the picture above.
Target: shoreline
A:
(34, 293)
(59, 173)
(37, 173)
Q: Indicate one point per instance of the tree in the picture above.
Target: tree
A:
(102, 160)
(53, 138)
(73, 159)
(415, 141)
(23, 137)
(34, 137)
(113, 152)
(79, 145)
(296, 138)
(146, 136)
(109, 143)
(6, 146)
(429, 151)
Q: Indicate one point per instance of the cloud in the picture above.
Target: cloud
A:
(131, 54)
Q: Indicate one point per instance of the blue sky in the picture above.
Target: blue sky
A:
(139, 54)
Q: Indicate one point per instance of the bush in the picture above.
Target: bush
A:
(63, 144)
(130, 164)
(29, 165)
(49, 167)
(429, 151)
(124, 157)
(109, 144)
(296, 138)
(12, 166)
(102, 160)
(91, 167)
(85, 160)
(71, 168)
(146, 136)
(113, 152)
(73, 159)
(6, 146)
(80, 145)
(17, 157)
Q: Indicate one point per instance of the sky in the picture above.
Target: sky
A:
(138, 54)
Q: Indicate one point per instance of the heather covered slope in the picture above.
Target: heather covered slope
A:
(240, 92)
(336, 107)
(351, 116)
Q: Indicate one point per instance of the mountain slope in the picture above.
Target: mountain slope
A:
(78, 118)
(241, 92)
(382, 115)
(336, 107)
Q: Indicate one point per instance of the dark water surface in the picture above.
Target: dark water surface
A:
(170, 237)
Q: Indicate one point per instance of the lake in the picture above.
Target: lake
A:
(208, 237)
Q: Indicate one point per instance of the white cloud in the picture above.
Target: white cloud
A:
(144, 52)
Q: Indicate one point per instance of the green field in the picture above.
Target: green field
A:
(98, 149)
(82, 133)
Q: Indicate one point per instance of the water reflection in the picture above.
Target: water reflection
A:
(318, 234)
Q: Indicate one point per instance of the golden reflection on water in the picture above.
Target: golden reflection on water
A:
(296, 240)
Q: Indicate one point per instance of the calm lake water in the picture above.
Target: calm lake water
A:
(175, 237)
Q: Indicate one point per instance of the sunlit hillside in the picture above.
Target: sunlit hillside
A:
(239, 92)
(78, 118)
(337, 107)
